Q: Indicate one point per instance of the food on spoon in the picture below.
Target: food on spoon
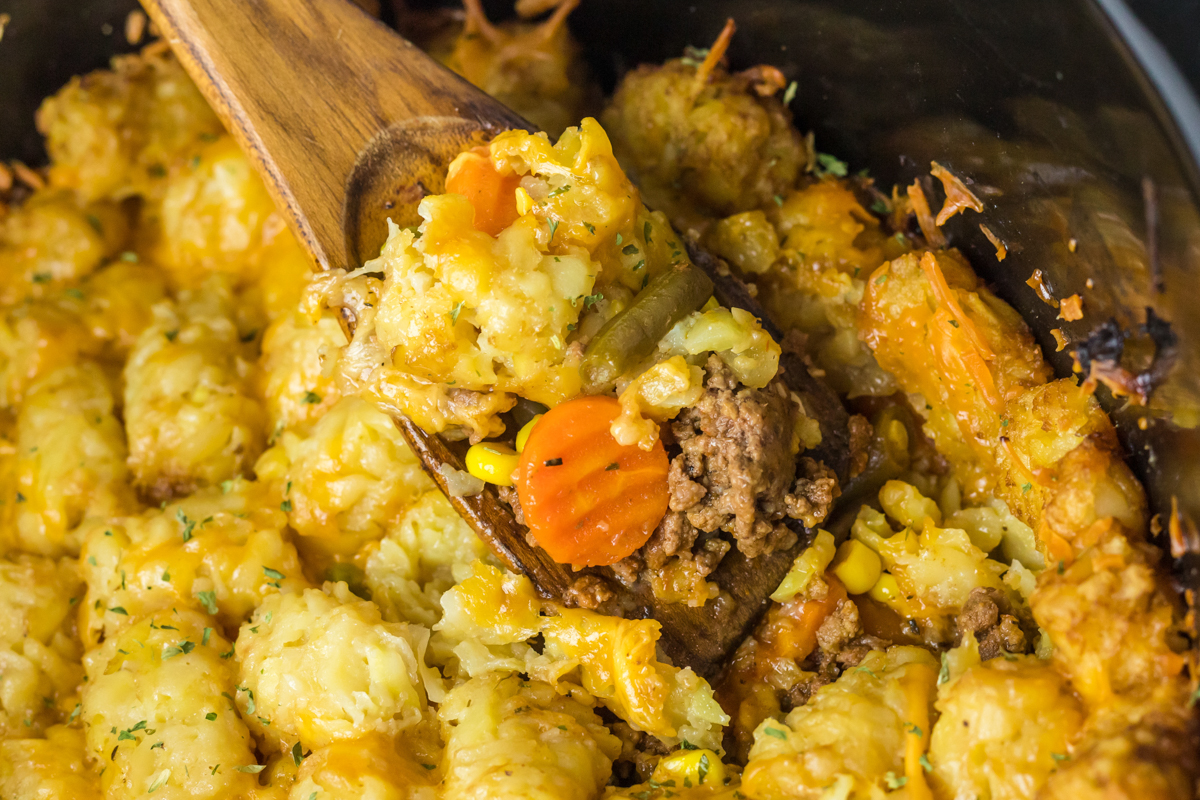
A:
(492, 195)
(586, 498)
(540, 275)
(630, 336)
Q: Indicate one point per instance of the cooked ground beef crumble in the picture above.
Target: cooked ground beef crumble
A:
(737, 471)
(991, 618)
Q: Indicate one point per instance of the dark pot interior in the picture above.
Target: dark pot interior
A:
(1059, 107)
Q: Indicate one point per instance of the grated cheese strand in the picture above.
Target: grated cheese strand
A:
(915, 683)
(715, 54)
(929, 229)
(958, 196)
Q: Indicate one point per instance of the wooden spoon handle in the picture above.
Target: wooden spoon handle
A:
(309, 88)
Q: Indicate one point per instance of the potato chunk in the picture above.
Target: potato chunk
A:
(121, 131)
(52, 241)
(320, 667)
(428, 551)
(711, 139)
(509, 738)
(99, 319)
(70, 460)
(1005, 725)
(866, 731)
(376, 766)
(157, 712)
(220, 551)
(37, 338)
(45, 769)
(214, 216)
(1112, 627)
(190, 415)
(536, 69)
(349, 479)
(488, 618)
(1146, 760)
(297, 376)
(117, 302)
(945, 336)
(40, 671)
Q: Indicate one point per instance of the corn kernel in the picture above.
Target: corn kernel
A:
(885, 590)
(857, 566)
(523, 434)
(904, 503)
(691, 768)
(524, 201)
(492, 462)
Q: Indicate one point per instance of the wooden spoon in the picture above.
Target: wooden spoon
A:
(350, 124)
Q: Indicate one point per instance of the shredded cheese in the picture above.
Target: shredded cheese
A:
(1001, 250)
(1071, 308)
(958, 196)
(1036, 283)
(915, 682)
(715, 54)
(929, 229)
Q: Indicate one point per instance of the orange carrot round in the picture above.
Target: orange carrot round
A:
(587, 499)
(494, 196)
(793, 632)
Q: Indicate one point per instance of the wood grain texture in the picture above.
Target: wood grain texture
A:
(316, 91)
(349, 124)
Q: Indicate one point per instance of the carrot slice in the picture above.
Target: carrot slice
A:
(792, 633)
(588, 500)
(494, 196)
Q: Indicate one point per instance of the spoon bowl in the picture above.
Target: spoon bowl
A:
(351, 125)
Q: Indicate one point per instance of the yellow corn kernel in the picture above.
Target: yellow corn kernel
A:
(904, 503)
(523, 434)
(492, 462)
(524, 201)
(691, 768)
(857, 566)
(885, 590)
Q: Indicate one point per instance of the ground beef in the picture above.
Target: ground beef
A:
(841, 644)
(705, 555)
(509, 495)
(988, 615)
(825, 667)
(588, 591)
(627, 570)
(737, 468)
(673, 535)
(860, 443)
(839, 627)
(813, 494)
(640, 752)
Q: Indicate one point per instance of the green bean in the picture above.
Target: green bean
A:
(631, 335)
